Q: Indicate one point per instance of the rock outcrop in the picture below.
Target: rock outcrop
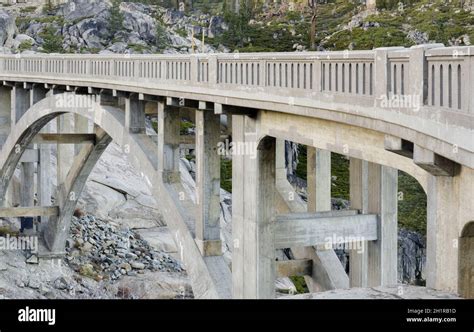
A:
(7, 29)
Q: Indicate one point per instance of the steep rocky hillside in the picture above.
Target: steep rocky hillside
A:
(95, 26)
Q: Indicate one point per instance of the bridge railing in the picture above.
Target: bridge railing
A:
(432, 75)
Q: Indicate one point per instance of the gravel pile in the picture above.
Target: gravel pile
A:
(102, 251)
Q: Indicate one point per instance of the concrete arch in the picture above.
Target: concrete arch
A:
(352, 141)
(210, 276)
(466, 261)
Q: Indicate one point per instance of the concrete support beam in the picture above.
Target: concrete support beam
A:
(433, 163)
(328, 272)
(12, 212)
(359, 199)
(208, 184)
(37, 93)
(398, 146)
(135, 114)
(253, 197)
(20, 103)
(382, 254)
(43, 175)
(294, 268)
(306, 231)
(27, 189)
(443, 196)
(82, 126)
(319, 179)
(65, 153)
(205, 105)
(48, 138)
(181, 102)
(5, 112)
(168, 142)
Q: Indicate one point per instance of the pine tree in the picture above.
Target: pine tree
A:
(52, 41)
(116, 18)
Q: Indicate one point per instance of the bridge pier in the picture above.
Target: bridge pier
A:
(208, 184)
(253, 197)
(358, 191)
(21, 102)
(135, 114)
(327, 270)
(43, 170)
(382, 200)
(168, 142)
(373, 190)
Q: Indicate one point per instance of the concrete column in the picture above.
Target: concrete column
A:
(27, 184)
(253, 197)
(20, 103)
(5, 112)
(168, 142)
(5, 122)
(382, 254)
(43, 175)
(208, 183)
(37, 93)
(135, 114)
(43, 171)
(319, 179)
(65, 152)
(443, 199)
(280, 161)
(359, 198)
(81, 126)
(328, 272)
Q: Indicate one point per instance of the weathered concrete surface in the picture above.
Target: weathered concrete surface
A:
(312, 110)
(393, 292)
(210, 276)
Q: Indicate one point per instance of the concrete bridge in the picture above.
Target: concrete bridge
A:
(386, 109)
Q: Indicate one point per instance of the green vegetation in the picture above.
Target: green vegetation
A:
(59, 20)
(49, 8)
(411, 204)
(300, 285)
(226, 174)
(25, 46)
(138, 48)
(162, 41)
(251, 30)
(116, 18)
(52, 40)
(27, 10)
(4, 231)
(181, 32)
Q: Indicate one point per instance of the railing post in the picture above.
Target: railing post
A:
(194, 68)
(213, 70)
(418, 83)
(263, 73)
(88, 67)
(381, 75)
